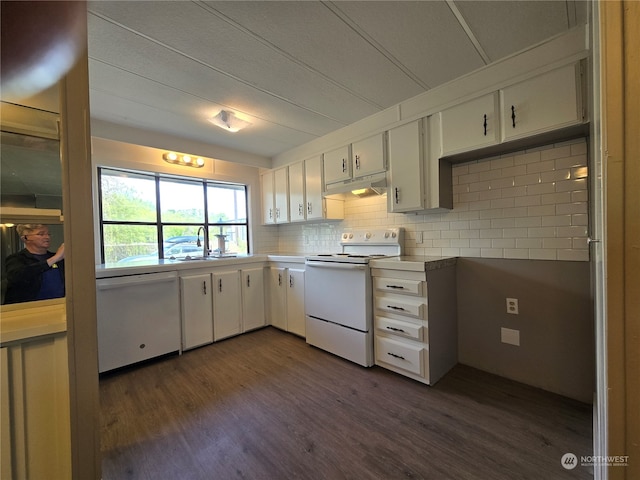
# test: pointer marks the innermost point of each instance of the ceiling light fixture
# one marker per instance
(186, 160)
(228, 121)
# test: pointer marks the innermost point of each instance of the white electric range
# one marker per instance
(339, 296)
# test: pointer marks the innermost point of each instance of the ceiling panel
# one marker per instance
(503, 28)
(241, 59)
(296, 70)
(424, 36)
(313, 35)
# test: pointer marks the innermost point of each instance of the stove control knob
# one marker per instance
(393, 234)
(386, 234)
(344, 236)
(350, 235)
(367, 235)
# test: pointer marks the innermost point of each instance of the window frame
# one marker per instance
(159, 224)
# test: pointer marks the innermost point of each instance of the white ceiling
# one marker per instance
(296, 70)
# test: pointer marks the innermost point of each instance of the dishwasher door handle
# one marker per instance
(123, 282)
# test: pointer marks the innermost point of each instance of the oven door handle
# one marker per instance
(336, 265)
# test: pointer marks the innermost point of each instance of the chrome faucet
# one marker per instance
(205, 243)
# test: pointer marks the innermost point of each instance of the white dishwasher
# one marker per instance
(138, 318)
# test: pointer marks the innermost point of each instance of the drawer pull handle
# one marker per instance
(395, 286)
(396, 329)
(393, 307)
(395, 355)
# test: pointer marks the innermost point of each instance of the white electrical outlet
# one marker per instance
(512, 337)
(418, 237)
(512, 306)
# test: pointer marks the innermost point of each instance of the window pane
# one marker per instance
(182, 240)
(128, 197)
(234, 237)
(227, 203)
(181, 201)
(130, 243)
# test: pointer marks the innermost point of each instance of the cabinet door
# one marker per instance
(541, 104)
(368, 156)
(313, 190)
(295, 302)
(253, 299)
(277, 297)
(281, 186)
(227, 309)
(297, 205)
(268, 199)
(197, 310)
(337, 165)
(470, 125)
(406, 163)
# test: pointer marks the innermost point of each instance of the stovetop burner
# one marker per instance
(359, 246)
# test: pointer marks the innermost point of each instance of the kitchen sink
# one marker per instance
(209, 257)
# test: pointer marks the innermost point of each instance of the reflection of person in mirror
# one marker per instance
(35, 273)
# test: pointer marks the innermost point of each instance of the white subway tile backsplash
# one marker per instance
(556, 221)
(531, 204)
(542, 254)
(558, 152)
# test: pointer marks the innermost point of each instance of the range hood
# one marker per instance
(371, 184)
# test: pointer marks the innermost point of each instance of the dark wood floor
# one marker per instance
(265, 405)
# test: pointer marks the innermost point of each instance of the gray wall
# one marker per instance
(556, 351)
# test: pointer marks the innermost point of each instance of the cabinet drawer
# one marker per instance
(402, 306)
(402, 355)
(402, 329)
(397, 285)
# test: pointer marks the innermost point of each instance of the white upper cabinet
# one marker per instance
(543, 103)
(367, 156)
(406, 168)
(275, 196)
(361, 158)
(297, 192)
(418, 179)
(268, 198)
(281, 188)
(471, 125)
(305, 193)
(337, 165)
(313, 184)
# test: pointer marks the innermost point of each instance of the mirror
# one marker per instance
(30, 179)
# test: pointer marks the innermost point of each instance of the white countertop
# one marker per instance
(155, 266)
(21, 321)
(413, 263)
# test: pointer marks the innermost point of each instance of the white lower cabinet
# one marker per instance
(197, 310)
(227, 304)
(295, 302)
(253, 285)
(278, 297)
(286, 299)
(415, 321)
